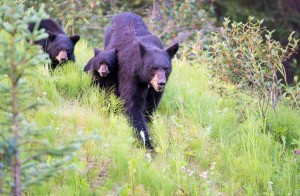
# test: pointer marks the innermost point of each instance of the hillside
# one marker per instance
(203, 146)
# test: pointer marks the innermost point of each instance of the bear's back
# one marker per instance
(48, 25)
(130, 21)
(126, 30)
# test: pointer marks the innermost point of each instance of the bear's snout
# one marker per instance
(62, 56)
(103, 70)
(158, 82)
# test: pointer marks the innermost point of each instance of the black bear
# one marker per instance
(143, 68)
(103, 67)
(58, 45)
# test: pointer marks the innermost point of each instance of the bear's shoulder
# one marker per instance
(89, 65)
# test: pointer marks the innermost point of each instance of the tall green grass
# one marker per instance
(202, 148)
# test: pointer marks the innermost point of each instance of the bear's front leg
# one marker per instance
(134, 96)
(153, 99)
(138, 122)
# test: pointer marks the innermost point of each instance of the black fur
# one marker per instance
(109, 58)
(141, 57)
(56, 42)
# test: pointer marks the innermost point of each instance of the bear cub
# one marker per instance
(58, 45)
(103, 67)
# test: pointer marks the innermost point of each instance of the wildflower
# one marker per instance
(204, 175)
(213, 165)
(148, 156)
(190, 172)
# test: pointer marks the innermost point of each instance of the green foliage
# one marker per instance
(291, 94)
(284, 126)
(166, 19)
(245, 60)
(84, 17)
(282, 15)
(27, 157)
(171, 19)
(73, 84)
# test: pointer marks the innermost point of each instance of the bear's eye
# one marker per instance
(58, 49)
(154, 68)
(104, 63)
(67, 49)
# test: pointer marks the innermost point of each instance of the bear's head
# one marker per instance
(60, 47)
(156, 65)
(105, 61)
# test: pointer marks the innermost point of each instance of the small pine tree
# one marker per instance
(24, 153)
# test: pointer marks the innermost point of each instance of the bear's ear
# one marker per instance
(52, 36)
(113, 51)
(75, 38)
(96, 51)
(143, 49)
(172, 50)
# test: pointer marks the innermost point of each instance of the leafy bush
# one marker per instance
(244, 59)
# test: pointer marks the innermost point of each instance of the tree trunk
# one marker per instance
(16, 160)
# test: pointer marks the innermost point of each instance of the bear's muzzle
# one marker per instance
(103, 70)
(62, 56)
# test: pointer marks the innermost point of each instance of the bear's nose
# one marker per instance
(103, 73)
(161, 84)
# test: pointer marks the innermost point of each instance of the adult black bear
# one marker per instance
(103, 67)
(58, 45)
(144, 68)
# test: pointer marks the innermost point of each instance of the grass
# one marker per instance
(202, 148)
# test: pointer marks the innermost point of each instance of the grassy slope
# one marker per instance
(202, 148)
